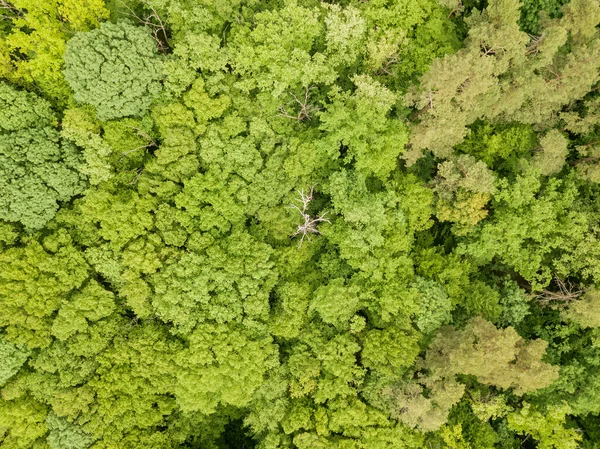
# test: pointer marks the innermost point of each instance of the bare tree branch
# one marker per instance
(534, 44)
(385, 68)
(310, 224)
(567, 292)
(151, 143)
(138, 171)
(10, 11)
(154, 22)
(306, 109)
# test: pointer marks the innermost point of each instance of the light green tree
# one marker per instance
(12, 357)
(35, 281)
(584, 311)
(546, 427)
(31, 53)
(498, 357)
(503, 75)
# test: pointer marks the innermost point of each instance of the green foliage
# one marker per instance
(514, 302)
(22, 110)
(23, 424)
(463, 186)
(115, 68)
(65, 435)
(35, 281)
(585, 311)
(553, 153)
(547, 428)
(434, 306)
(531, 223)
(531, 10)
(12, 357)
(297, 224)
(222, 366)
(501, 148)
(421, 404)
(503, 75)
(224, 283)
(37, 170)
(31, 52)
(497, 357)
(389, 352)
(359, 122)
(79, 127)
(494, 356)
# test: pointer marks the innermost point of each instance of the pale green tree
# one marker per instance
(115, 68)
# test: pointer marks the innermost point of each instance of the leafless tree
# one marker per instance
(138, 172)
(533, 47)
(305, 110)
(566, 293)
(154, 22)
(310, 224)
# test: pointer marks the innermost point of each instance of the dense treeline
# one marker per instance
(299, 224)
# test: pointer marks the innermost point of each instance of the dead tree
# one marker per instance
(566, 292)
(533, 47)
(305, 111)
(310, 224)
(153, 22)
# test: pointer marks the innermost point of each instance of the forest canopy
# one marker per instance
(299, 224)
